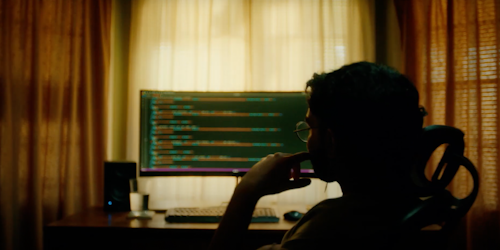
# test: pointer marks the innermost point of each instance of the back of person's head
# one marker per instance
(373, 113)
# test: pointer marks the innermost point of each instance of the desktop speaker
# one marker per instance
(117, 177)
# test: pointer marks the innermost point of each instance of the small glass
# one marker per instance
(138, 201)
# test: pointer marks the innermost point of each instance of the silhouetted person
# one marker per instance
(365, 121)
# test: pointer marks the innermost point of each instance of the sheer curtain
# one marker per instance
(238, 45)
(53, 77)
(451, 51)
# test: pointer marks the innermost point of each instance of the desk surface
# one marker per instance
(97, 218)
(97, 229)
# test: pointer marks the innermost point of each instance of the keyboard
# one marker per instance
(214, 215)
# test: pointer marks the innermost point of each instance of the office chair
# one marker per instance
(442, 207)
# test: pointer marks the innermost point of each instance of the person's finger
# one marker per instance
(300, 183)
(296, 171)
(297, 158)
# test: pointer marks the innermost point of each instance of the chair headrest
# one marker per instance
(442, 206)
(433, 137)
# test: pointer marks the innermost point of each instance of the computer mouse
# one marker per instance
(293, 216)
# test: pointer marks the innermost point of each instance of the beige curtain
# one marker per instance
(451, 51)
(53, 74)
(237, 45)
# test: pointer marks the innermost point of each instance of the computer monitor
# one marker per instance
(217, 134)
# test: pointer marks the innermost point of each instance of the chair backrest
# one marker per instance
(441, 207)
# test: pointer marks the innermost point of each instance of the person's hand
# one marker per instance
(272, 174)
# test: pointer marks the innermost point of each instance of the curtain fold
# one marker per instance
(53, 77)
(238, 45)
(451, 51)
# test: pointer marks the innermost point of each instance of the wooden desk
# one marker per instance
(96, 229)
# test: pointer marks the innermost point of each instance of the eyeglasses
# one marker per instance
(302, 130)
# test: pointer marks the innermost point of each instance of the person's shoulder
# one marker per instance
(339, 207)
(346, 215)
(326, 215)
(348, 221)
(326, 211)
(327, 205)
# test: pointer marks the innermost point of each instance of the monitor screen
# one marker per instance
(207, 133)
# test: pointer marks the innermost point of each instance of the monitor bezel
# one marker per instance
(214, 174)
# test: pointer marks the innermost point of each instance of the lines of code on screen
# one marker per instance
(216, 133)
